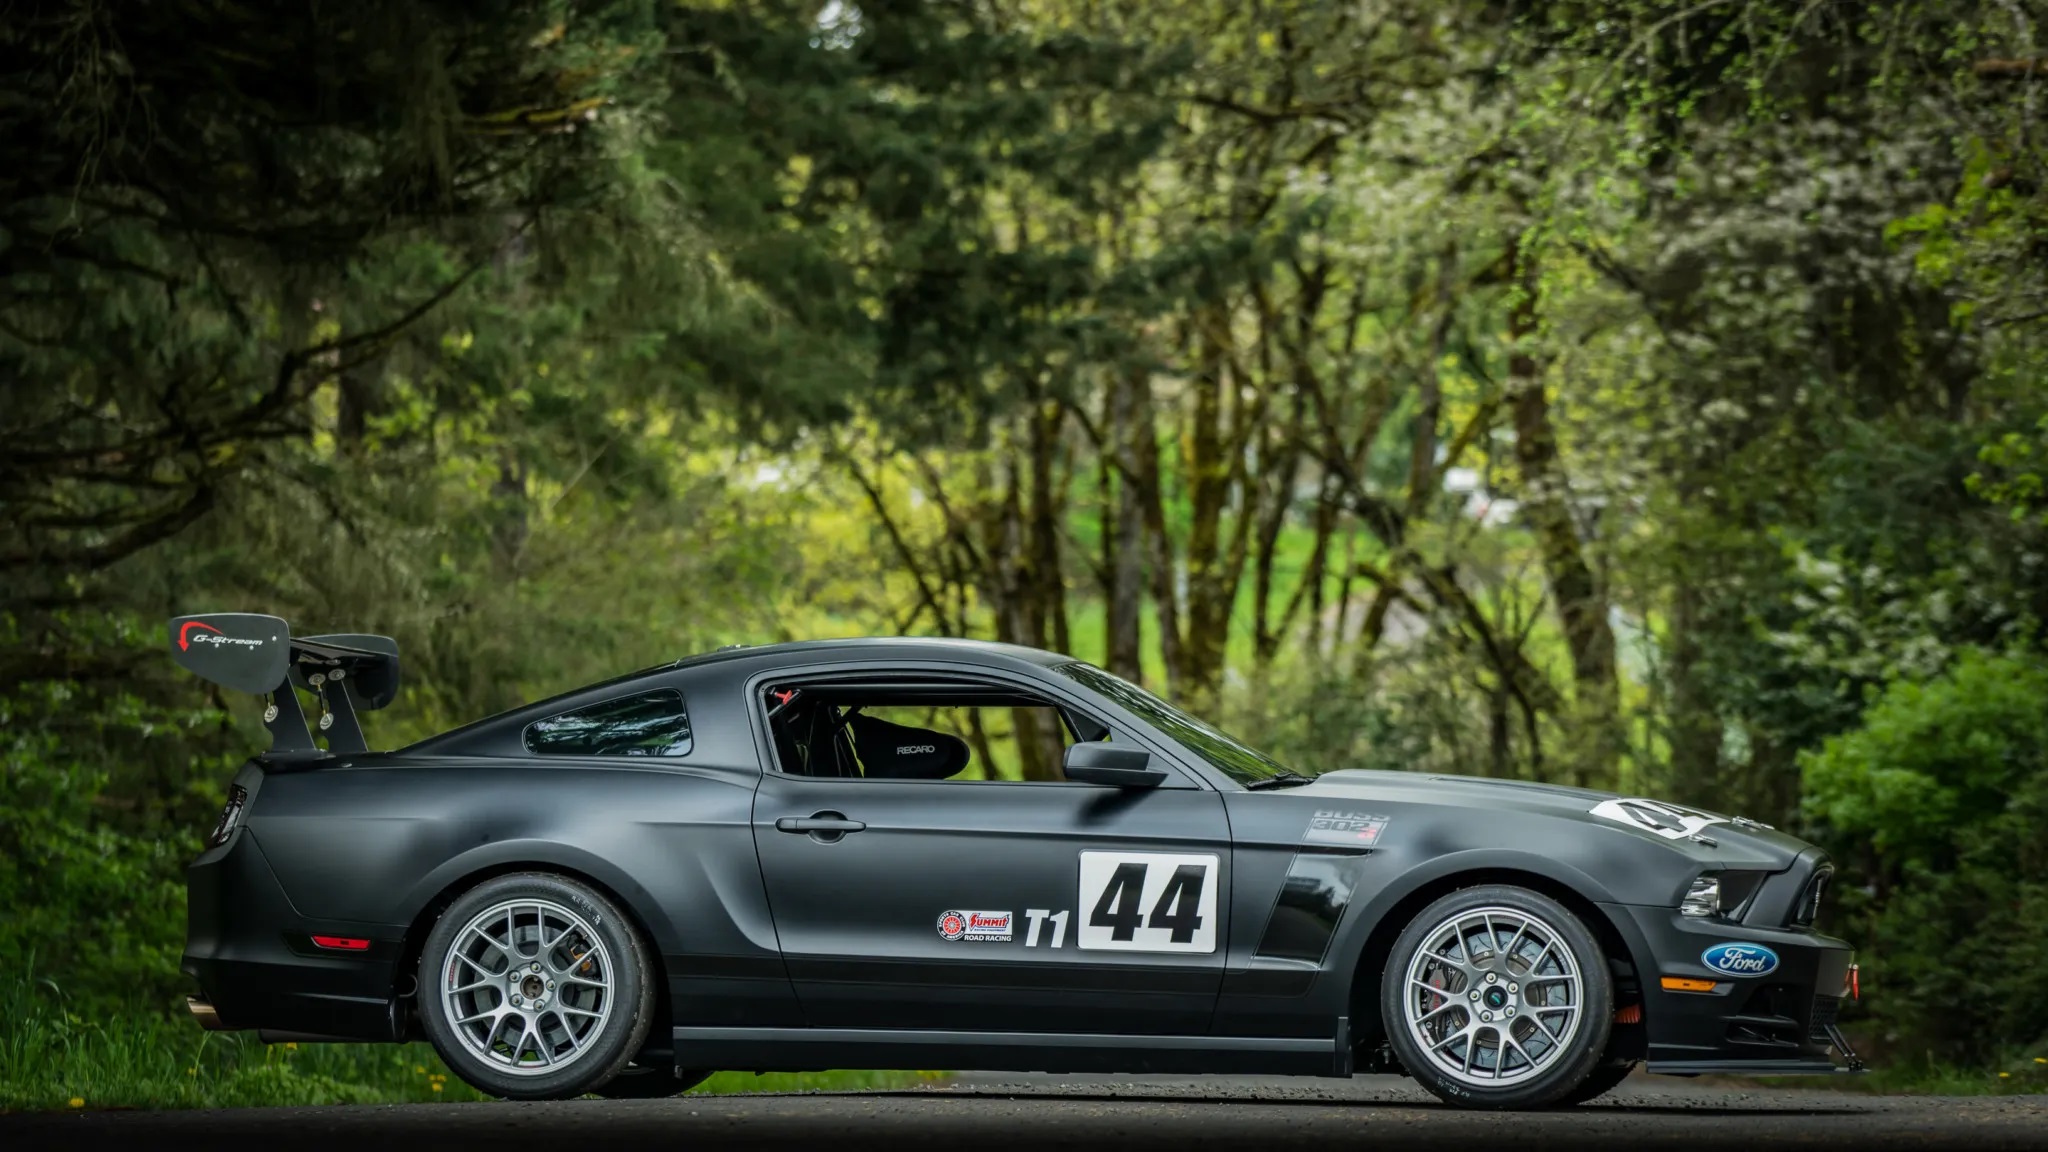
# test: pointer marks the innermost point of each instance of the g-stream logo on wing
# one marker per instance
(188, 636)
(956, 925)
(1740, 959)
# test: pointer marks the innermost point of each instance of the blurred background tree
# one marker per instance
(1637, 394)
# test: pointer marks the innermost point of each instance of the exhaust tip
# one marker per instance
(202, 1011)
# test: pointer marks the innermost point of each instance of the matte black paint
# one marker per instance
(811, 947)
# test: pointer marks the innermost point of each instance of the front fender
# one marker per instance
(1486, 865)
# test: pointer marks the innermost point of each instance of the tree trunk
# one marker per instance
(511, 526)
(1693, 727)
(1040, 742)
(1581, 601)
(1158, 543)
(1281, 461)
(1044, 579)
(1208, 472)
(359, 393)
(1125, 538)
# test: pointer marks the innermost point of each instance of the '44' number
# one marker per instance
(1142, 902)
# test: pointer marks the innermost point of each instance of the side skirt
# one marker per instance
(815, 1049)
(1745, 1067)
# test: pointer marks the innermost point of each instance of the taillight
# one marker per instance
(230, 816)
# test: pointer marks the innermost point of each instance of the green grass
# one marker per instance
(52, 1059)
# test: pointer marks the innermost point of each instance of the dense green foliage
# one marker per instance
(1940, 804)
(1643, 394)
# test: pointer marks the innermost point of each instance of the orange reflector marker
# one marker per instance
(1681, 984)
(342, 943)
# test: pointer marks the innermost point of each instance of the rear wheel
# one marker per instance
(535, 987)
(1498, 997)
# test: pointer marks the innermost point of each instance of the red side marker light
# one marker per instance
(1855, 982)
(341, 943)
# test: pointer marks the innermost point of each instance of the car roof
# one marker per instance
(900, 646)
(494, 735)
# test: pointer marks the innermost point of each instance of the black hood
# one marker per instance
(1735, 842)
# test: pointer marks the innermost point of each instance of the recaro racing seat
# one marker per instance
(900, 752)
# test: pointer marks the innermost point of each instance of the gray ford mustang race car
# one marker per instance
(760, 859)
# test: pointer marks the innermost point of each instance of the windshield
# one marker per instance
(1240, 762)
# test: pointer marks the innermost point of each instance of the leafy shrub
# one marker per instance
(95, 905)
(1938, 804)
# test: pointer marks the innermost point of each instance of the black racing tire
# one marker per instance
(1604, 1078)
(649, 1082)
(1548, 1074)
(623, 1008)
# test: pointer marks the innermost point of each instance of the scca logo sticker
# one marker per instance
(1740, 959)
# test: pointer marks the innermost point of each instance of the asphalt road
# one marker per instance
(1129, 1114)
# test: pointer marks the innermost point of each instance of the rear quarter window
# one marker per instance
(643, 724)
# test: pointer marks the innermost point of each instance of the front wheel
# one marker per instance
(1498, 997)
(535, 987)
(1604, 1078)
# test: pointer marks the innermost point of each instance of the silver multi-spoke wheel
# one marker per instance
(528, 986)
(1493, 997)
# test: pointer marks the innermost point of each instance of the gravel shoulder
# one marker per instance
(1126, 1113)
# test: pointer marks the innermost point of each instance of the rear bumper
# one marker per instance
(1776, 1024)
(253, 956)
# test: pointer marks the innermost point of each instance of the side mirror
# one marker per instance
(1098, 763)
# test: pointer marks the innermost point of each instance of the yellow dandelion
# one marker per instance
(2041, 1059)
(78, 1101)
(437, 1087)
(2005, 1075)
(420, 1068)
(292, 1044)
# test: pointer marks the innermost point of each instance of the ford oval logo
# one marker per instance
(1740, 959)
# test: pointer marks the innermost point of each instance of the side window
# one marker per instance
(912, 732)
(644, 724)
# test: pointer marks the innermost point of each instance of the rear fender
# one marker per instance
(457, 875)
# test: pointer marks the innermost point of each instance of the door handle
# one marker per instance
(826, 823)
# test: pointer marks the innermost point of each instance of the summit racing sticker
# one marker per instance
(1351, 829)
(993, 926)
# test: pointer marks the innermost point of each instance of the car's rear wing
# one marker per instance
(349, 672)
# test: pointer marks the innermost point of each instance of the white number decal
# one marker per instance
(1033, 917)
(1147, 902)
